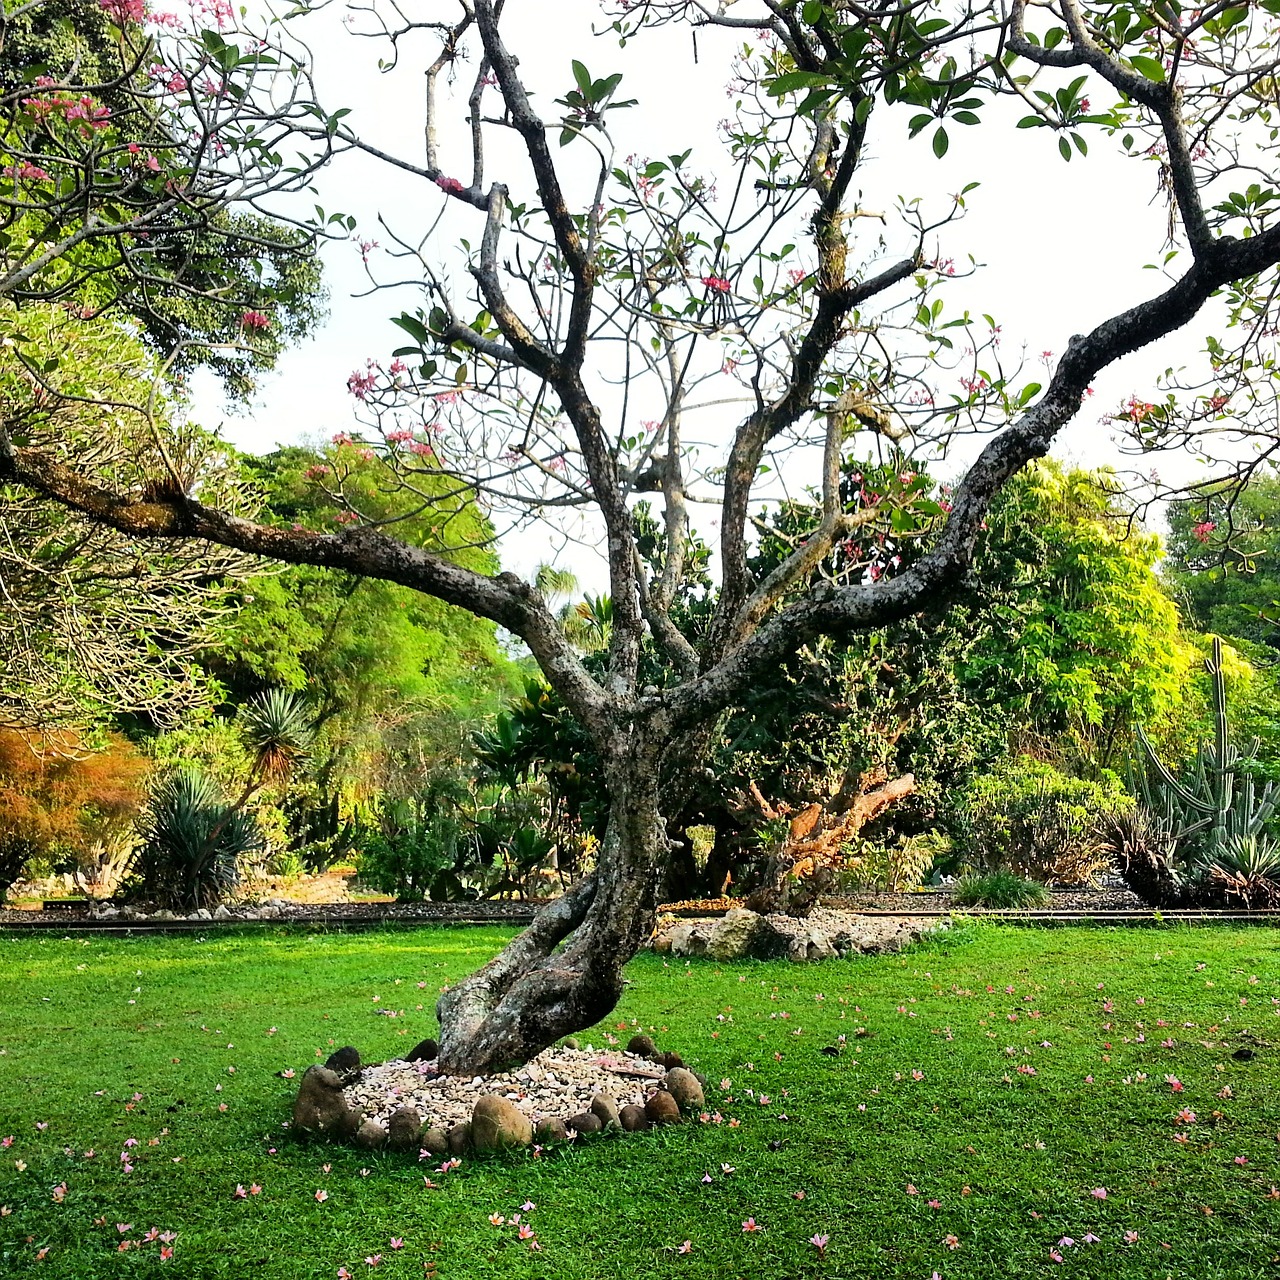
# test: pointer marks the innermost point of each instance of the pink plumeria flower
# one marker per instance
(1099, 1193)
(239, 1193)
(322, 1196)
(344, 1274)
(820, 1243)
(397, 1242)
(952, 1242)
(374, 1259)
(525, 1232)
(751, 1225)
(1055, 1256)
(166, 1253)
(528, 1207)
(685, 1247)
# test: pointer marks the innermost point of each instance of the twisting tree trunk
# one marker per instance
(564, 972)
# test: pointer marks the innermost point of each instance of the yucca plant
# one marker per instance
(192, 842)
(278, 731)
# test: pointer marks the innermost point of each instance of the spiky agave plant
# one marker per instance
(192, 841)
(278, 731)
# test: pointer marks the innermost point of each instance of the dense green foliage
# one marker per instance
(1224, 559)
(1012, 1159)
(1030, 819)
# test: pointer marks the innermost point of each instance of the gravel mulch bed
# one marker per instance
(558, 1082)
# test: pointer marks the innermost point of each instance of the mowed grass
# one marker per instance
(147, 1040)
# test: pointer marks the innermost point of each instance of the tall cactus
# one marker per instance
(1213, 797)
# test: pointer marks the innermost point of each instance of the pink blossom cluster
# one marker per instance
(123, 11)
(255, 320)
(717, 284)
(26, 170)
(1202, 531)
(70, 107)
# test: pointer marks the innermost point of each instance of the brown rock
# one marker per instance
(434, 1140)
(670, 1060)
(605, 1110)
(370, 1135)
(633, 1118)
(497, 1124)
(585, 1122)
(403, 1129)
(458, 1139)
(424, 1051)
(551, 1129)
(683, 1086)
(321, 1106)
(662, 1108)
(642, 1046)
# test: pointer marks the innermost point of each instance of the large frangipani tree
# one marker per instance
(609, 297)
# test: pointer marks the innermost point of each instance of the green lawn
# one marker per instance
(923, 1133)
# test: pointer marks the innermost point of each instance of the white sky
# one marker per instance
(1062, 245)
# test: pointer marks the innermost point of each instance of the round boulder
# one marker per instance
(662, 1108)
(434, 1140)
(424, 1051)
(683, 1086)
(403, 1128)
(605, 1110)
(642, 1046)
(497, 1124)
(551, 1129)
(669, 1060)
(585, 1122)
(458, 1139)
(571, 1042)
(370, 1135)
(633, 1118)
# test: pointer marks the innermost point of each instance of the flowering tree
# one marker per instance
(611, 299)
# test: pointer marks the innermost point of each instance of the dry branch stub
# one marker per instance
(408, 1104)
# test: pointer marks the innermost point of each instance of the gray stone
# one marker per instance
(321, 1107)
(662, 1108)
(585, 1122)
(434, 1140)
(403, 1129)
(642, 1046)
(683, 1086)
(222, 912)
(164, 914)
(633, 1118)
(605, 1109)
(735, 936)
(370, 1135)
(497, 1124)
(551, 1129)
(459, 1139)
(691, 938)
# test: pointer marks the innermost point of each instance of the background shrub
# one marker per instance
(1001, 890)
(1033, 820)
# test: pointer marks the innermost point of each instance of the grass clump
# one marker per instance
(1000, 889)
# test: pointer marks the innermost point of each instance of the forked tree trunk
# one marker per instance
(564, 972)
